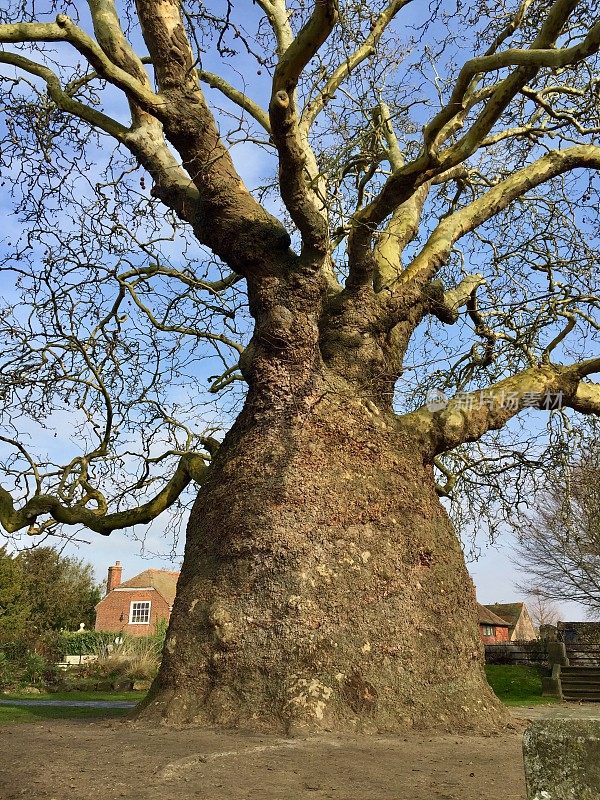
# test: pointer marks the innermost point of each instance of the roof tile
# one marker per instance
(487, 617)
(511, 612)
(164, 581)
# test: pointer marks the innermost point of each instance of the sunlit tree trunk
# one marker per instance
(323, 586)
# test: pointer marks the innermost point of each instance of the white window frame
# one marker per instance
(135, 609)
(489, 630)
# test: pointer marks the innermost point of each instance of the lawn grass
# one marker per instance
(514, 685)
(133, 696)
(517, 685)
(13, 714)
(10, 715)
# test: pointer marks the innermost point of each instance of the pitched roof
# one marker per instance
(164, 581)
(508, 611)
(487, 617)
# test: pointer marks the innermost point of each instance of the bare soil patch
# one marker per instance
(68, 760)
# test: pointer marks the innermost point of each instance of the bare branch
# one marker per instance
(294, 152)
(306, 44)
(278, 16)
(239, 98)
(405, 181)
(64, 29)
(335, 80)
(445, 490)
(468, 417)
(62, 99)
(532, 59)
(450, 230)
(446, 308)
(191, 467)
(587, 398)
(111, 39)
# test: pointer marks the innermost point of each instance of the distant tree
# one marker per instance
(541, 610)
(58, 591)
(14, 610)
(559, 551)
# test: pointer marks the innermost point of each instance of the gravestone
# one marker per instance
(562, 760)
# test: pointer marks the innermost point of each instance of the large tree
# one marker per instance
(59, 591)
(418, 212)
(42, 590)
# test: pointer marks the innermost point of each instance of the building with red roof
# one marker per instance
(492, 628)
(136, 606)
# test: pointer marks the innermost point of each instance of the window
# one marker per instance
(489, 630)
(139, 613)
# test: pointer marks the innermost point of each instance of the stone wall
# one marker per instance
(579, 632)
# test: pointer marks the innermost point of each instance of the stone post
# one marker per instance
(562, 759)
(551, 685)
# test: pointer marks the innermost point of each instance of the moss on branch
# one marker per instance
(191, 467)
(444, 424)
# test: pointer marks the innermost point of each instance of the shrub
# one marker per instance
(16, 650)
(10, 674)
(49, 646)
(136, 658)
(122, 659)
(53, 677)
(34, 666)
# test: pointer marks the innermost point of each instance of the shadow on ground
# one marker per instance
(107, 760)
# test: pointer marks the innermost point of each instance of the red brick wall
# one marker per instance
(500, 636)
(115, 573)
(112, 612)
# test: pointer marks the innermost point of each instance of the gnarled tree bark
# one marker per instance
(323, 586)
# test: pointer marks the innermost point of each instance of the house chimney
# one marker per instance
(114, 576)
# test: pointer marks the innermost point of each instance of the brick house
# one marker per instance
(492, 628)
(517, 615)
(136, 606)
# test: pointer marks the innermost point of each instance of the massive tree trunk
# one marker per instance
(323, 586)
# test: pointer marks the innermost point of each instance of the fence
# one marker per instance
(530, 653)
(583, 655)
(581, 646)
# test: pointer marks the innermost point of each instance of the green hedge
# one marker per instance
(84, 643)
(55, 645)
(75, 643)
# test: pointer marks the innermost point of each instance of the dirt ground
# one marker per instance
(106, 760)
